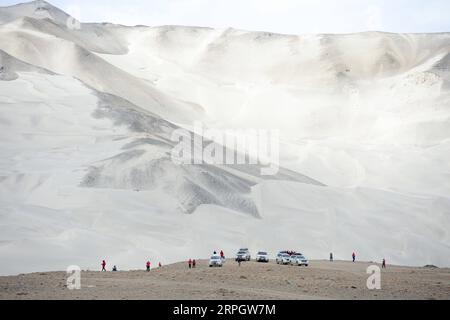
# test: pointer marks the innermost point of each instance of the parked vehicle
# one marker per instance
(262, 256)
(243, 255)
(216, 261)
(299, 260)
(283, 258)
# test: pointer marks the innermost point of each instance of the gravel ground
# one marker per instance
(320, 280)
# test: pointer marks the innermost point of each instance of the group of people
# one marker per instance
(383, 263)
(104, 266)
(147, 265)
(192, 263)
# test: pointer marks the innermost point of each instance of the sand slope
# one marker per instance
(86, 116)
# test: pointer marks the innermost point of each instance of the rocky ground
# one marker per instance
(320, 280)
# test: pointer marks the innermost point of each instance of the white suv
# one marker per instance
(243, 255)
(262, 256)
(283, 258)
(299, 260)
(215, 261)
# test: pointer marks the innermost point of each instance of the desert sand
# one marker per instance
(320, 280)
(87, 116)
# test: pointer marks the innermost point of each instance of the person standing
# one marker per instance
(193, 263)
(331, 256)
(190, 263)
(103, 265)
(383, 265)
(148, 265)
(354, 256)
(222, 255)
(159, 264)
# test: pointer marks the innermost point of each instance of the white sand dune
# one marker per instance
(86, 117)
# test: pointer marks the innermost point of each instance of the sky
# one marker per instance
(280, 16)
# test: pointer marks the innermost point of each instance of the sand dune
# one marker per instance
(87, 113)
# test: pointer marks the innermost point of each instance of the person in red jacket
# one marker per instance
(148, 265)
(103, 265)
(222, 255)
(190, 263)
(159, 265)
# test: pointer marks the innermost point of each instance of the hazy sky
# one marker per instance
(284, 16)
